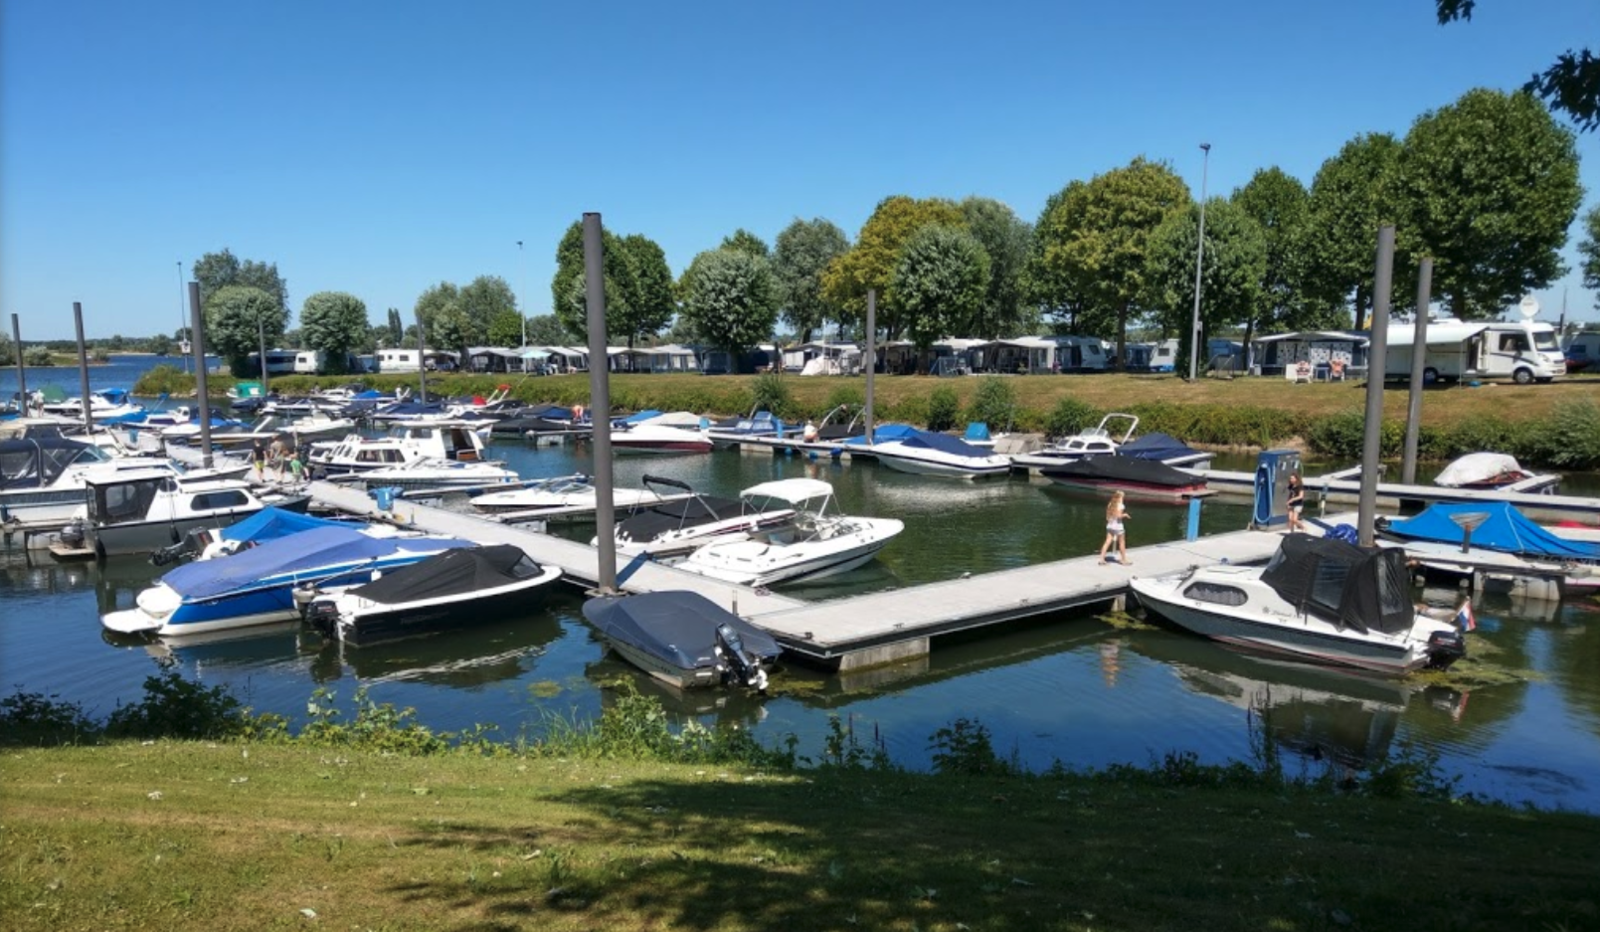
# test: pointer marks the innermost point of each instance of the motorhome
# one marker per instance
(412, 360)
(1456, 350)
(308, 362)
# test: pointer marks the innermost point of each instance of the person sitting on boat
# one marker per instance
(809, 434)
(1297, 500)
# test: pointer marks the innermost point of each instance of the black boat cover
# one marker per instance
(1122, 469)
(1364, 588)
(37, 461)
(679, 628)
(454, 572)
(651, 522)
(1156, 447)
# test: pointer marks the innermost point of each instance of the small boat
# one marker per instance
(445, 591)
(816, 544)
(926, 453)
(755, 424)
(256, 586)
(563, 493)
(1141, 479)
(663, 434)
(405, 442)
(1320, 600)
(1492, 471)
(677, 528)
(434, 472)
(1164, 448)
(106, 405)
(684, 639)
(1462, 529)
(269, 523)
(144, 510)
(1100, 440)
(42, 476)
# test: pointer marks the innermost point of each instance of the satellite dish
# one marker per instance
(1530, 307)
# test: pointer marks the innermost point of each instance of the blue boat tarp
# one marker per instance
(1155, 447)
(271, 523)
(307, 552)
(884, 433)
(678, 628)
(944, 443)
(1506, 529)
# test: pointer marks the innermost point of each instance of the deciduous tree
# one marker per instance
(804, 250)
(732, 300)
(651, 298)
(483, 299)
(217, 270)
(334, 323)
(1489, 186)
(1233, 267)
(236, 317)
(1571, 85)
(941, 281)
(1279, 204)
(568, 290)
(1351, 196)
(546, 330)
(1589, 251)
(434, 300)
(871, 262)
(1008, 240)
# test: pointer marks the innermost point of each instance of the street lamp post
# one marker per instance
(182, 317)
(522, 302)
(1199, 256)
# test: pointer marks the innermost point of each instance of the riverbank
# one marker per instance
(182, 835)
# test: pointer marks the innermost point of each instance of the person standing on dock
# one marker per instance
(258, 458)
(1115, 515)
(1297, 500)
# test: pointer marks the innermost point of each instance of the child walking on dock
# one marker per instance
(1115, 515)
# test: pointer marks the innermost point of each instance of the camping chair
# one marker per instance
(1298, 371)
(1336, 371)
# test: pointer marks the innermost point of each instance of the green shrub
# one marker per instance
(165, 379)
(37, 720)
(1569, 438)
(769, 392)
(174, 707)
(39, 356)
(944, 407)
(964, 747)
(843, 395)
(1069, 417)
(994, 403)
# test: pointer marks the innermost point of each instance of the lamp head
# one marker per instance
(1205, 147)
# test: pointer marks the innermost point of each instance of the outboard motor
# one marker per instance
(1445, 648)
(193, 544)
(746, 669)
(74, 534)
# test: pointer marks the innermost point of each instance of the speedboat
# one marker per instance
(435, 472)
(1114, 430)
(1142, 479)
(1320, 600)
(405, 442)
(256, 586)
(676, 528)
(663, 434)
(816, 544)
(269, 523)
(1165, 448)
(144, 510)
(755, 424)
(926, 453)
(444, 591)
(565, 493)
(683, 638)
(105, 405)
(1445, 535)
(1492, 471)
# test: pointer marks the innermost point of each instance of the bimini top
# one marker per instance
(311, 553)
(677, 627)
(1503, 528)
(684, 512)
(1364, 588)
(793, 491)
(452, 573)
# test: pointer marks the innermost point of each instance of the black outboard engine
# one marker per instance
(1445, 648)
(193, 543)
(741, 665)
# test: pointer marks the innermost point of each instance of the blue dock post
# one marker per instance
(1194, 520)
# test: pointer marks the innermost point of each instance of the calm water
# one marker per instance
(1064, 687)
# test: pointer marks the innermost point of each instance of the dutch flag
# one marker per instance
(1464, 619)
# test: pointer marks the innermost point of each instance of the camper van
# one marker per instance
(308, 362)
(1457, 350)
(1582, 351)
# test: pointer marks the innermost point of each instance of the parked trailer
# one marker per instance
(1524, 352)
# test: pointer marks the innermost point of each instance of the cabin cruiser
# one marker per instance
(684, 639)
(677, 528)
(926, 453)
(1114, 430)
(437, 472)
(566, 493)
(406, 441)
(42, 476)
(1319, 600)
(662, 434)
(445, 591)
(816, 544)
(256, 586)
(1447, 535)
(143, 510)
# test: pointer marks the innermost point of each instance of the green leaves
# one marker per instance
(804, 250)
(236, 317)
(732, 298)
(940, 282)
(335, 323)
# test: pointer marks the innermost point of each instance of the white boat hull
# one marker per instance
(921, 462)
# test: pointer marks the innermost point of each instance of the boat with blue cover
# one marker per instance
(684, 638)
(269, 523)
(256, 586)
(926, 453)
(1495, 526)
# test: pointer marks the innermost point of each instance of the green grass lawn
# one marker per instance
(227, 835)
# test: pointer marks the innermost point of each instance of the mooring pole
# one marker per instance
(1419, 353)
(197, 336)
(1372, 445)
(422, 359)
(605, 517)
(83, 371)
(872, 354)
(22, 372)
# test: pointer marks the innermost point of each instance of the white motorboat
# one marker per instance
(926, 453)
(815, 545)
(1320, 600)
(145, 510)
(1493, 471)
(42, 476)
(664, 434)
(406, 441)
(1114, 430)
(437, 472)
(679, 527)
(564, 493)
(106, 404)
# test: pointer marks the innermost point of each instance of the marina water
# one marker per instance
(1068, 688)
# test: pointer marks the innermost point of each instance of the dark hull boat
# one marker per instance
(453, 589)
(1135, 478)
(684, 639)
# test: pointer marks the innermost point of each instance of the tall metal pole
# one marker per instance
(1199, 256)
(198, 340)
(422, 359)
(1371, 447)
(600, 401)
(181, 324)
(522, 300)
(83, 370)
(261, 338)
(872, 352)
(22, 372)
(1419, 346)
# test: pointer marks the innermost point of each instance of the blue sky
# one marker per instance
(382, 147)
